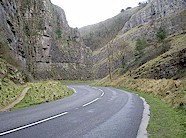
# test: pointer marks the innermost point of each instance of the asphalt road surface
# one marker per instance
(91, 112)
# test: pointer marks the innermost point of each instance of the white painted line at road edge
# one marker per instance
(91, 102)
(142, 132)
(32, 124)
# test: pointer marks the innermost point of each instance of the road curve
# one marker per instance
(91, 112)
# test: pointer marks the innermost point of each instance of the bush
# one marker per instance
(128, 8)
(141, 44)
(161, 34)
(58, 32)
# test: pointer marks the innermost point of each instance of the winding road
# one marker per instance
(91, 112)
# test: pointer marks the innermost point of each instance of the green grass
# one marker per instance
(9, 92)
(10, 83)
(76, 82)
(43, 91)
(40, 92)
(165, 121)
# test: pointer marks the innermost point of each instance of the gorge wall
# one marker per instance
(141, 22)
(36, 38)
(36, 34)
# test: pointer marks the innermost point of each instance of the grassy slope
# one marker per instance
(10, 83)
(97, 35)
(169, 59)
(43, 91)
(46, 91)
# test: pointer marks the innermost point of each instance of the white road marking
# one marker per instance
(102, 94)
(94, 88)
(91, 102)
(33, 124)
(142, 132)
(74, 90)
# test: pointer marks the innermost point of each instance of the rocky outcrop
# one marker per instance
(39, 36)
(168, 14)
(136, 23)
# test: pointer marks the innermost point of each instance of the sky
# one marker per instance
(81, 13)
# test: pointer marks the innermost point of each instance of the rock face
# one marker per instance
(39, 36)
(154, 10)
(168, 14)
(136, 23)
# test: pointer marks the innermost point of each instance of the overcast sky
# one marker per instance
(80, 13)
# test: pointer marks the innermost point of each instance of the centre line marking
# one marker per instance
(74, 90)
(91, 102)
(32, 124)
(102, 94)
(101, 90)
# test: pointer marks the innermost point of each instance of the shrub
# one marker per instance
(140, 45)
(58, 32)
(161, 34)
(128, 8)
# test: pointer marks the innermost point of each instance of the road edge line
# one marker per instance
(142, 131)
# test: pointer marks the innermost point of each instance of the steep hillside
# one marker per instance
(143, 25)
(171, 64)
(97, 35)
(39, 37)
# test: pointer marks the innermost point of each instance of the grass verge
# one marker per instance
(9, 92)
(64, 82)
(165, 121)
(43, 91)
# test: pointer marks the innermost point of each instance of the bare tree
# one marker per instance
(109, 58)
(124, 51)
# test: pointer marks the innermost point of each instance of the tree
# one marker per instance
(122, 10)
(141, 44)
(161, 34)
(109, 58)
(123, 51)
(128, 8)
(109, 53)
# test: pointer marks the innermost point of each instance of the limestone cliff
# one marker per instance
(142, 23)
(37, 34)
(168, 14)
